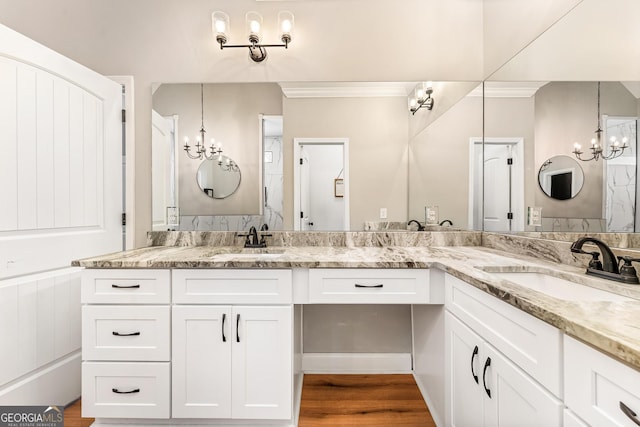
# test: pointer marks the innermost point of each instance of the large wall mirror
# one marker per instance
(386, 144)
(547, 95)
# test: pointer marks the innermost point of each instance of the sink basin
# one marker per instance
(559, 288)
(250, 253)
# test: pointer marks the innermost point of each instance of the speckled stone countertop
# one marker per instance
(613, 327)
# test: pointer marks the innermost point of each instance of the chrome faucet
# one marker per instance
(420, 226)
(608, 267)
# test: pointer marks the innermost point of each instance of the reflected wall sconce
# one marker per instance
(421, 97)
(257, 50)
(597, 149)
(200, 148)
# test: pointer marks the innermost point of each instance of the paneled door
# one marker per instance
(61, 195)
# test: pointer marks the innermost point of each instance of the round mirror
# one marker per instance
(561, 177)
(218, 178)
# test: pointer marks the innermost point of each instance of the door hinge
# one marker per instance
(124, 116)
(510, 161)
(509, 215)
(301, 215)
(124, 218)
(300, 160)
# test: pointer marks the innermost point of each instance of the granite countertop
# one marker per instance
(612, 327)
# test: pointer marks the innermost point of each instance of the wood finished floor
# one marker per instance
(343, 400)
(362, 400)
(72, 416)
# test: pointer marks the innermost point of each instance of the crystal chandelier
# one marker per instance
(200, 148)
(616, 148)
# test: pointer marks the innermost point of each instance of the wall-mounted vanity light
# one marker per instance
(421, 97)
(597, 149)
(257, 50)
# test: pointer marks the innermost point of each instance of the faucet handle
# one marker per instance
(627, 271)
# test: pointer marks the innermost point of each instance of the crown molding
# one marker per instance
(508, 89)
(346, 90)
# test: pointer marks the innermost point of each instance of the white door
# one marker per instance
(201, 367)
(262, 362)
(497, 187)
(321, 184)
(516, 399)
(61, 191)
(306, 222)
(464, 400)
(163, 170)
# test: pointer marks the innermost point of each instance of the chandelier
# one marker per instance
(200, 149)
(228, 165)
(615, 149)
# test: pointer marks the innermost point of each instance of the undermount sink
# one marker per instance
(559, 288)
(250, 253)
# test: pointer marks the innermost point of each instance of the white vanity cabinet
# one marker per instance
(125, 343)
(485, 386)
(232, 360)
(599, 389)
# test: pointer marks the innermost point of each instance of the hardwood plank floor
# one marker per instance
(362, 400)
(342, 400)
(72, 417)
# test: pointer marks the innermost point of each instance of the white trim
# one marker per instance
(517, 188)
(437, 417)
(297, 142)
(130, 135)
(347, 90)
(507, 89)
(356, 363)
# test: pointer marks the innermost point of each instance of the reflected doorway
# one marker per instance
(497, 184)
(273, 171)
(321, 184)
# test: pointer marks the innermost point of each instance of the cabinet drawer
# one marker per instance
(232, 286)
(125, 390)
(142, 286)
(530, 343)
(125, 333)
(596, 386)
(368, 286)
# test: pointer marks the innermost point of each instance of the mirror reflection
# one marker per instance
(560, 177)
(550, 118)
(218, 178)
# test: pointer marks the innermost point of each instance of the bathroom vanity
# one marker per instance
(213, 334)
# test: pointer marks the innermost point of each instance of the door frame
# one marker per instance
(517, 187)
(297, 143)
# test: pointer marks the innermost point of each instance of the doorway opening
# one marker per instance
(321, 184)
(496, 190)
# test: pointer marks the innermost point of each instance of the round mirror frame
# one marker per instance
(223, 172)
(568, 170)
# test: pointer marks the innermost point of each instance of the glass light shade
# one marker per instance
(420, 93)
(254, 25)
(220, 26)
(413, 103)
(285, 24)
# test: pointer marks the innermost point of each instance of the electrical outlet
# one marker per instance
(383, 213)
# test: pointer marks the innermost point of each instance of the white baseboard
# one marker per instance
(356, 363)
(437, 417)
(55, 384)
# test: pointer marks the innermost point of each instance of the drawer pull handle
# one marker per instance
(487, 363)
(238, 328)
(224, 319)
(132, 334)
(629, 413)
(125, 287)
(473, 356)
(358, 285)
(135, 390)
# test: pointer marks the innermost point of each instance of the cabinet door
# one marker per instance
(201, 354)
(262, 366)
(463, 349)
(512, 398)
